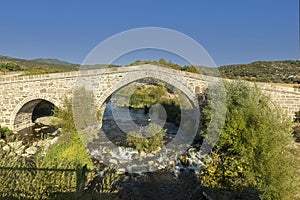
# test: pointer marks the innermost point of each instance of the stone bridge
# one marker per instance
(20, 95)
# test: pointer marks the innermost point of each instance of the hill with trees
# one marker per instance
(273, 71)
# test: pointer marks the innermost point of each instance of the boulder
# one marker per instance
(48, 121)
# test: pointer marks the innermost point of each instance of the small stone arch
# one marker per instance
(34, 101)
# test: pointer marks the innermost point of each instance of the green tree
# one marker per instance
(252, 153)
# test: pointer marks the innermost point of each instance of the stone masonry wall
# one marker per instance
(15, 92)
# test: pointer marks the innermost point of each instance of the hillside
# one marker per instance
(38, 63)
(51, 61)
(261, 71)
(9, 65)
(273, 71)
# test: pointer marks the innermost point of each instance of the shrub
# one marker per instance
(297, 117)
(147, 140)
(252, 152)
(5, 132)
(69, 146)
(296, 133)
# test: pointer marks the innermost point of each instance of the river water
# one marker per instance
(161, 184)
(118, 121)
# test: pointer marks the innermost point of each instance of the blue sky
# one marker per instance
(231, 31)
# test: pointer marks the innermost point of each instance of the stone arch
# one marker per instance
(29, 102)
(182, 85)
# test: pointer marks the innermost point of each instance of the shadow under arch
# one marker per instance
(27, 111)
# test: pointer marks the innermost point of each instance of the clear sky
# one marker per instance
(232, 31)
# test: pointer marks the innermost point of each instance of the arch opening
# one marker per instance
(30, 111)
(138, 97)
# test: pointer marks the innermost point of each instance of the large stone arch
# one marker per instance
(182, 85)
(33, 100)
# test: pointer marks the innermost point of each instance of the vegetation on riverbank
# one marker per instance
(5, 132)
(148, 140)
(253, 153)
(146, 95)
(64, 171)
(69, 148)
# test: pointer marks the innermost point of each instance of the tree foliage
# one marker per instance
(252, 152)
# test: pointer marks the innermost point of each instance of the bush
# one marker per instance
(69, 146)
(147, 140)
(10, 67)
(296, 133)
(252, 152)
(297, 117)
(5, 132)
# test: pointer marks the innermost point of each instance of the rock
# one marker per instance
(37, 129)
(123, 162)
(2, 141)
(34, 144)
(161, 167)
(121, 171)
(107, 156)
(20, 150)
(150, 155)
(40, 143)
(6, 148)
(160, 159)
(48, 120)
(135, 156)
(143, 154)
(150, 163)
(113, 161)
(15, 145)
(12, 154)
(107, 150)
(53, 141)
(172, 163)
(31, 150)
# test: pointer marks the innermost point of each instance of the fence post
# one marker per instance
(81, 179)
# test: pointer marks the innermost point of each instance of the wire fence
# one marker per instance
(42, 183)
